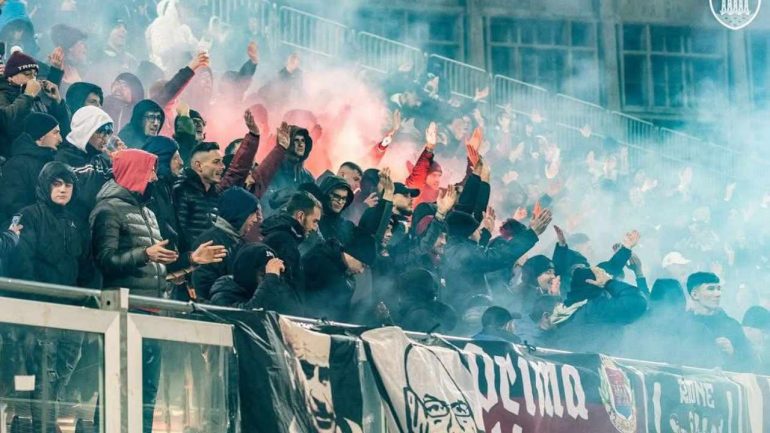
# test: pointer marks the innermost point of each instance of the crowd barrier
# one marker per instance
(324, 39)
(226, 370)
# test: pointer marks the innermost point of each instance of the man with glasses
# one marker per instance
(85, 149)
(705, 291)
(146, 122)
(338, 195)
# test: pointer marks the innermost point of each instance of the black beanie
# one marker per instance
(39, 124)
(235, 206)
(250, 259)
(461, 224)
(534, 267)
(18, 63)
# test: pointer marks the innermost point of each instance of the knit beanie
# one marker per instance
(235, 206)
(39, 124)
(66, 36)
(250, 259)
(435, 167)
(461, 224)
(18, 63)
(164, 148)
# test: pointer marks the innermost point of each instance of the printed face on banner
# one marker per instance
(311, 364)
(434, 401)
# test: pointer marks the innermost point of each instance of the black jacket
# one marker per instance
(133, 133)
(163, 206)
(196, 208)
(15, 106)
(272, 294)
(720, 325)
(328, 290)
(222, 233)
(20, 172)
(465, 263)
(598, 326)
(123, 228)
(290, 174)
(52, 248)
(334, 225)
(93, 169)
(283, 234)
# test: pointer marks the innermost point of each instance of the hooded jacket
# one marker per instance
(15, 106)
(284, 234)
(78, 93)
(334, 225)
(133, 133)
(279, 173)
(20, 174)
(14, 17)
(52, 248)
(92, 167)
(119, 110)
(235, 204)
(123, 228)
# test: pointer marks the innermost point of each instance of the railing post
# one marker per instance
(115, 402)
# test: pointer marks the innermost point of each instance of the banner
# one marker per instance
(293, 379)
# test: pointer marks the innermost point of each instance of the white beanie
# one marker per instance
(85, 123)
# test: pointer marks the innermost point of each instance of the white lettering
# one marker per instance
(574, 394)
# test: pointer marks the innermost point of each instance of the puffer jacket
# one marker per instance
(123, 228)
(196, 208)
(284, 234)
(53, 248)
(222, 233)
(20, 172)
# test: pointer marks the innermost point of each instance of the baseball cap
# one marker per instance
(403, 190)
(674, 258)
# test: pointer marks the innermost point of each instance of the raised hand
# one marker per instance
(251, 124)
(601, 277)
(183, 109)
(540, 222)
(560, 235)
(520, 214)
(386, 185)
(631, 239)
(481, 94)
(473, 145)
(284, 136)
(447, 201)
(199, 61)
(489, 219)
(253, 52)
(207, 253)
(56, 58)
(431, 136)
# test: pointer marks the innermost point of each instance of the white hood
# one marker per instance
(85, 122)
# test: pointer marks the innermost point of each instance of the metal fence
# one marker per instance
(463, 79)
(311, 33)
(385, 56)
(325, 40)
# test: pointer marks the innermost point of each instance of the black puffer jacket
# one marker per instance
(196, 208)
(123, 228)
(20, 172)
(222, 233)
(93, 169)
(52, 247)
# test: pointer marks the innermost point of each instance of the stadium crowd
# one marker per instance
(110, 180)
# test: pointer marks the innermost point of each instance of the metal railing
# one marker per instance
(325, 39)
(384, 55)
(311, 33)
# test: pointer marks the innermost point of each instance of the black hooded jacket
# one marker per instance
(53, 248)
(20, 174)
(195, 206)
(119, 110)
(78, 93)
(133, 133)
(284, 234)
(15, 106)
(334, 225)
(291, 172)
(93, 169)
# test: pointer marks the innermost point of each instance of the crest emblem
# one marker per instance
(735, 14)
(617, 396)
